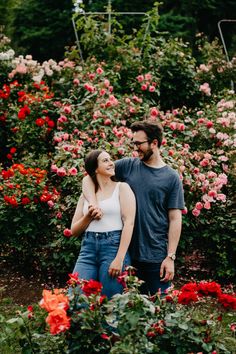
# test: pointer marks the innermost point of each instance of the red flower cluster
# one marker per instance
(5, 92)
(228, 301)
(209, 289)
(21, 186)
(186, 297)
(11, 153)
(191, 292)
(40, 122)
(91, 286)
(156, 329)
(73, 279)
(23, 112)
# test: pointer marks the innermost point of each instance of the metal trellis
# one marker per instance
(223, 42)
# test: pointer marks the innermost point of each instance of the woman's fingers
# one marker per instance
(95, 212)
(114, 272)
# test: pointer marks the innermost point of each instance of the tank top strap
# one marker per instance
(116, 192)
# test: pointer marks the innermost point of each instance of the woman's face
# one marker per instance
(106, 166)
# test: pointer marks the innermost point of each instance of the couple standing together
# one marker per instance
(134, 221)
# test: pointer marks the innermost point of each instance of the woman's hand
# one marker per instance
(94, 212)
(115, 267)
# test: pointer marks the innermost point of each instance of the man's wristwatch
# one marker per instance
(172, 256)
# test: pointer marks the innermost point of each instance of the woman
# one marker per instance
(103, 253)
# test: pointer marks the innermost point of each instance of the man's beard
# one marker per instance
(146, 155)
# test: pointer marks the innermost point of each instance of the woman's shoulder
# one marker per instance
(124, 186)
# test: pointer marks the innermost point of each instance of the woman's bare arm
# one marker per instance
(80, 221)
(88, 189)
(128, 209)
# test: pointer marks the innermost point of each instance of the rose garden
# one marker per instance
(51, 115)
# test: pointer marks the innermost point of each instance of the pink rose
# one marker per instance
(199, 206)
(154, 111)
(67, 109)
(73, 171)
(54, 168)
(61, 172)
(140, 78)
(207, 205)
(99, 71)
(107, 122)
(196, 212)
(67, 233)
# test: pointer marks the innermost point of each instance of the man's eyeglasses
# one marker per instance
(138, 143)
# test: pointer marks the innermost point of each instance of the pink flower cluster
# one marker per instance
(146, 82)
(211, 185)
(205, 88)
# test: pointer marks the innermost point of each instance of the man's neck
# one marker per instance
(155, 161)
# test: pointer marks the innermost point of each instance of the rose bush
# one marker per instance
(52, 114)
(200, 317)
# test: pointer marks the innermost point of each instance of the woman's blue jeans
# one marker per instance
(98, 250)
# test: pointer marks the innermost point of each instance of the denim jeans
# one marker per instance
(150, 273)
(98, 250)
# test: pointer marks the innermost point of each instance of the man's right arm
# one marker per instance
(88, 189)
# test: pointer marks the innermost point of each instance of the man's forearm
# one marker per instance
(88, 189)
(175, 225)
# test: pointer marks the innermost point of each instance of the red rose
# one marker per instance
(91, 287)
(25, 200)
(228, 301)
(186, 297)
(51, 124)
(189, 287)
(209, 289)
(40, 122)
(67, 233)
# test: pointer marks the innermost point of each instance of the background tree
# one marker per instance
(41, 27)
(185, 19)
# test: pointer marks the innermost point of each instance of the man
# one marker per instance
(159, 196)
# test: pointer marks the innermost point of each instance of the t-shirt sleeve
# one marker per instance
(176, 194)
(121, 169)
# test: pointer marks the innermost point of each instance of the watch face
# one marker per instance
(172, 256)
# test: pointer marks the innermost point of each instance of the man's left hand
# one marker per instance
(167, 270)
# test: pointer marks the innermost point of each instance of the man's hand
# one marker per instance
(94, 212)
(167, 270)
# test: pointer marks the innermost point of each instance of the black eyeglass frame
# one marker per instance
(138, 143)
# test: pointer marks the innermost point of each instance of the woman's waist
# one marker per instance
(102, 234)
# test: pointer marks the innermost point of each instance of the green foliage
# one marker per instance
(25, 333)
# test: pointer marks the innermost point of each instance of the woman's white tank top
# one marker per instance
(111, 219)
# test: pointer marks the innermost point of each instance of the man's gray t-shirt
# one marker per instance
(156, 190)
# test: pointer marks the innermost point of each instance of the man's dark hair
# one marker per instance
(153, 130)
(91, 164)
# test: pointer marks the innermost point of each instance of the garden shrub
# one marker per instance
(52, 114)
(197, 318)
